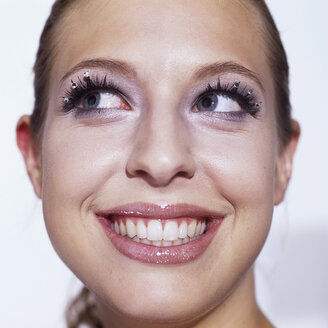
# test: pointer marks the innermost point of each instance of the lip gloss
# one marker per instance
(161, 254)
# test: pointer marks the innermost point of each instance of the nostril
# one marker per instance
(142, 174)
(185, 174)
(159, 162)
(160, 178)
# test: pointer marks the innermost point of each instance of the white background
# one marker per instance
(292, 284)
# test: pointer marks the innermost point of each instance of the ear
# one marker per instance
(284, 165)
(30, 154)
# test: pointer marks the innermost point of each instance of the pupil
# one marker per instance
(91, 101)
(208, 103)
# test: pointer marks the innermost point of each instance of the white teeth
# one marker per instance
(171, 231)
(116, 227)
(154, 234)
(156, 242)
(155, 230)
(145, 241)
(141, 229)
(183, 229)
(167, 243)
(198, 227)
(177, 242)
(192, 229)
(131, 228)
(122, 228)
(203, 226)
(186, 240)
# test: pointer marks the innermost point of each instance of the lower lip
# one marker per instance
(161, 255)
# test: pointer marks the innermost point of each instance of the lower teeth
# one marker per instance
(162, 243)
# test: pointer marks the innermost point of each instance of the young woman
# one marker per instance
(160, 141)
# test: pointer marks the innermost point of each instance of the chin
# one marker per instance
(156, 308)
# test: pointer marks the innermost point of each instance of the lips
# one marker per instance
(160, 234)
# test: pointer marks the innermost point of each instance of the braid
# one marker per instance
(82, 310)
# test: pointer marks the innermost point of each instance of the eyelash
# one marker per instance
(242, 95)
(86, 87)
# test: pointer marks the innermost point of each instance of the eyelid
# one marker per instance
(89, 85)
(240, 94)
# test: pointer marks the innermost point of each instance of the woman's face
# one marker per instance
(154, 132)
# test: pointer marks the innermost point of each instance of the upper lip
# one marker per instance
(165, 211)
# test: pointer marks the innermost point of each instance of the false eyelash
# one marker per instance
(85, 87)
(242, 95)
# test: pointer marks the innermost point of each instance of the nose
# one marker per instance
(161, 152)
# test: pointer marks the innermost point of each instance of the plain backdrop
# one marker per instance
(291, 272)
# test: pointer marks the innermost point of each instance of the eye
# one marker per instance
(214, 102)
(103, 100)
(91, 101)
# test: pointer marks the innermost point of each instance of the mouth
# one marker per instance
(166, 234)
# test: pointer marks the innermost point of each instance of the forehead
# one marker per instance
(162, 37)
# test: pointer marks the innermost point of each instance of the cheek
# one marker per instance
(240, 168)
(77, 162)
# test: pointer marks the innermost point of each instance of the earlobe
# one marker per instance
(30, 154)
(284, 165)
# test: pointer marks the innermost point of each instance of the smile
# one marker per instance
(159, 232)
(167, 234)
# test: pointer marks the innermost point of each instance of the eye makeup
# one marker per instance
(90, 86)
(241, 94)
(81, 98)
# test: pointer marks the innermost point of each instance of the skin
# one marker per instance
(161, 152)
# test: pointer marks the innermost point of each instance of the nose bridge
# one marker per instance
(161, 149)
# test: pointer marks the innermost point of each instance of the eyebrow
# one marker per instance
(107, 64)
(200, 73)
(226, 67)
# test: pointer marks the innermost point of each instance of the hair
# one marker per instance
(81, 309)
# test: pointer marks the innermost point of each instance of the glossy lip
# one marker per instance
(161, 255)
(166, 211)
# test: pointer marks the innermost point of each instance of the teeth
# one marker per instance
(145, 241)
(183, 229)
(171, 231)
(167, 243)
(157, 243)
(202, 228)
(122, 229)
(186, 240)
(116, 227)
(192, 229)
(155, 230)
(131, 228)
(141, 229)
(154, 234)
(198, 227)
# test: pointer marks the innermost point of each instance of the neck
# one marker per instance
(238, 310)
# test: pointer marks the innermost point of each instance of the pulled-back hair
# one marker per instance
(82, 308)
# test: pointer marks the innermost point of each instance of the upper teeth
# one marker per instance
(155, 230)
